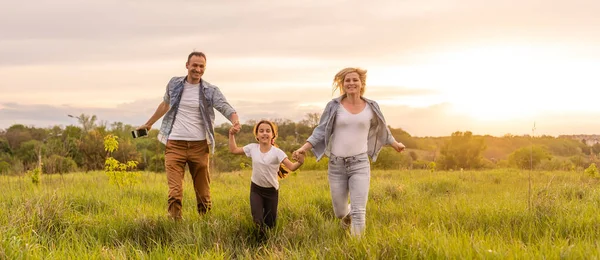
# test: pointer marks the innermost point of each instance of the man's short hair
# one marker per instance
(196, 53)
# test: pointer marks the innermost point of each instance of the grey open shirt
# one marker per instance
(379, 134)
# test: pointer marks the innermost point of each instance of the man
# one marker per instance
(187, 131)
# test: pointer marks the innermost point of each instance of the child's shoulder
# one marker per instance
(252, 146)
(277, 150)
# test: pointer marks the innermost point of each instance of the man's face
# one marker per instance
(196, 66)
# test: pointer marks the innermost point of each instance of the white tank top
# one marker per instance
(188, 124)
(351, 131)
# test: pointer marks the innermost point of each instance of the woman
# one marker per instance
(351, 129)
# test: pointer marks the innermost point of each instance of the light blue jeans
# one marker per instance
(350, 175)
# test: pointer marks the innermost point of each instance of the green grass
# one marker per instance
(410, 215)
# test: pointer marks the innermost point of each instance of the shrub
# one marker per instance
(592, 170)
(120, 174)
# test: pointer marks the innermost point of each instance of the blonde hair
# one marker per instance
(338, 80)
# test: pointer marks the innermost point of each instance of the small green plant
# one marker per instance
(431, 166)
(592, 170)
(120, 174)
(35, 175)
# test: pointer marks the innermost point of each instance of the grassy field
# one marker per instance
(410, 214)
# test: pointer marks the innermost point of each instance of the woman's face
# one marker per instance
(352, 84)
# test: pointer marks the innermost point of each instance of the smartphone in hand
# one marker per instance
(139, 133)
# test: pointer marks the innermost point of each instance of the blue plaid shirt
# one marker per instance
(214, 99)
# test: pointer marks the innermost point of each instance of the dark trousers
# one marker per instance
(195, 155)
(263, 204)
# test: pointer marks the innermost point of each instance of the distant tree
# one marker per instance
(17, 134)
(311, 120)
(58, 164)
(403, 137)
(91, 147)
(462, 150)
(528, 157)
(4, 146)
(87, 122)
(389, 159)
(579, 161)
(29, 153)
(413, 155)
(4, 167)
(596, 148)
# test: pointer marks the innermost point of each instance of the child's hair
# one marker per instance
(273, 130)
(283, 171)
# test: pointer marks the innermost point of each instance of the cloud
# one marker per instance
(45, 32)
(113, 58)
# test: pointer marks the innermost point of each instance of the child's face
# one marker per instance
(265, 134)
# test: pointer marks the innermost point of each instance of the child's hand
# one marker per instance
(233, 131)
(300, 157)
(297, 153)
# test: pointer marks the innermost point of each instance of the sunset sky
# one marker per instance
(434, 66)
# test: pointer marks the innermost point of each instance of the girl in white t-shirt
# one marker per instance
(266, 161)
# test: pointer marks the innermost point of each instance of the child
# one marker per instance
(266, 160)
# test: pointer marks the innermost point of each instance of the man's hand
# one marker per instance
(233, 130)
(145, 127)
(237, 126)
(398, 146)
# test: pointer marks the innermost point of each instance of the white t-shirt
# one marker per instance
(265, 165)
(351, 132)
(188, 123)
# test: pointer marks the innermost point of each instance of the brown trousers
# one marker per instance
(196, 155)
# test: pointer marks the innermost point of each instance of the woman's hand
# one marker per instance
(398, 146)
(299, 157)
(296, 155)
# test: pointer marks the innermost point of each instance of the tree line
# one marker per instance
(80, 147)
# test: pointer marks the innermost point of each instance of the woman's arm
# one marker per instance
(317, 138)
(302, 150)
(398, 146)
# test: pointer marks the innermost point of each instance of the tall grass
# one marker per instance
(410, 214)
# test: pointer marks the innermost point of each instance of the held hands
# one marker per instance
(233, 130)
(398, 146)
(299, 157)
(296, 155)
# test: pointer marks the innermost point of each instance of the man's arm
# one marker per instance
(220, 104)
(161, 110)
